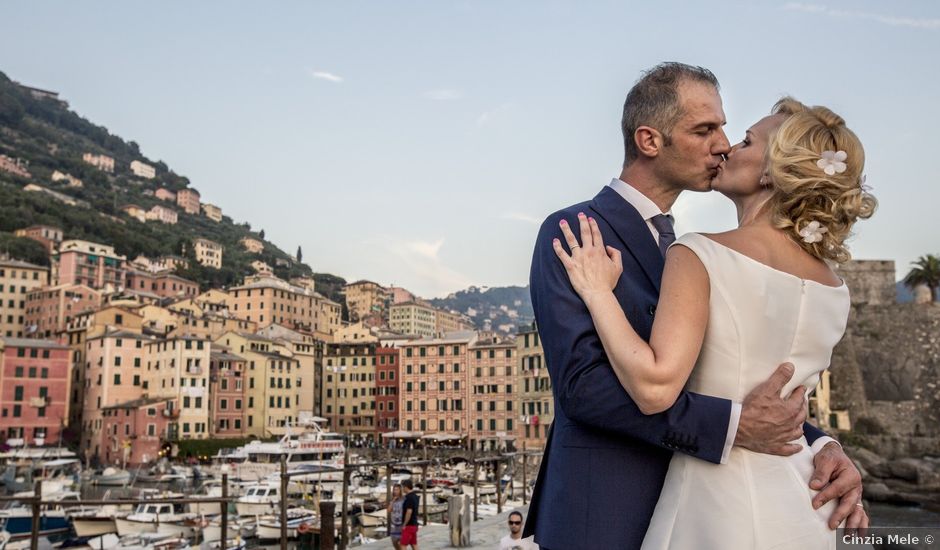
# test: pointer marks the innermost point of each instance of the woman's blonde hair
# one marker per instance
(803, 192)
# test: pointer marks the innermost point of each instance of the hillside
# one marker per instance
(497, 308)
(44, 135)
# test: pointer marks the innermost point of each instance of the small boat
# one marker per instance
(244, 528)
(259, 499)
(18, 522)
(112, 477)
(163, 519)
(94, 522)
(299, 520)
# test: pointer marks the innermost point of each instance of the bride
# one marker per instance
(734, 305)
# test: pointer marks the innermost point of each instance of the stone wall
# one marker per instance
(871, 281)
(886, 371)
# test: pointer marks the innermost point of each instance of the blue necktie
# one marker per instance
(667, 235)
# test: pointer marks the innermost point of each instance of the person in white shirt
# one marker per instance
(514, 540)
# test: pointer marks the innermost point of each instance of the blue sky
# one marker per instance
(420, 143)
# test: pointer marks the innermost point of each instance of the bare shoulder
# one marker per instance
(745, 240)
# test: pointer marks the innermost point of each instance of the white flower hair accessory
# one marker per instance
(832, 162)
(813, 232)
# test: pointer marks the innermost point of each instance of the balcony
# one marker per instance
(194, 370)
(171, 413)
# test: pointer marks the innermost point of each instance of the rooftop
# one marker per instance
(30, 343)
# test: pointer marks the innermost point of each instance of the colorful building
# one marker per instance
(534, 388)
(387, 376)
(34, 388)
(434, 384)
(49, 310)
(87, 263)
(227, 391)
(349, 388)
(17, 279)
(135, 432)
(188, 199)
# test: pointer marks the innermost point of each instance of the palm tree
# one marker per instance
(926, 271)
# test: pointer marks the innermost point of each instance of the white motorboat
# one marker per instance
(93, 522)
(163, 519)
(259, 499)
(298, 520)
(306, 445)
(112, 477)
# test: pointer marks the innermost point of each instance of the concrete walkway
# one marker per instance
(484, 533)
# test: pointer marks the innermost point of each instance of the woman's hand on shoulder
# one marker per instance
(592, 268)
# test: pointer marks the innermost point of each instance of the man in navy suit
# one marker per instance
(605, 461)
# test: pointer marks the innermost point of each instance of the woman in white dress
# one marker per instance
(734, 306)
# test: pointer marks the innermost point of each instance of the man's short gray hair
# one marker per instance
(654, 101)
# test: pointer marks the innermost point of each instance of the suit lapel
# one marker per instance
(631, 228)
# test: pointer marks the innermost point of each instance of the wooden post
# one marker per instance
(327, 525)
(388, 497)
(476, 493)
(498, 467)
(283, 503)
(344, 512)
(224, 506)
(424, 491)
(525, 484)
(37, 516)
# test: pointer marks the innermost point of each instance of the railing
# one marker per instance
(327, 509)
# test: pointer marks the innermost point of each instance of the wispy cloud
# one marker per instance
(487, 117)
(324, 75)
(521, 217)
(419, 267)
(442, 94)
(924, 23)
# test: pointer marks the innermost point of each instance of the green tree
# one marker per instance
(261, 233)
(300, 254)
(925, 271)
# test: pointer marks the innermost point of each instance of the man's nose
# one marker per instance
(722, 145)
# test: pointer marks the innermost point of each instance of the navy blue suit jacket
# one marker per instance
(605, 461)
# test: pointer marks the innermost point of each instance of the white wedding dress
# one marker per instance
(759, 317)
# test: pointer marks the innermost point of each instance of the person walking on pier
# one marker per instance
(409, 531)
(396, 509)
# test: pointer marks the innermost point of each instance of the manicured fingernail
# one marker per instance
(591, 219)
(563, 222)
(580, 214)
(556, 241)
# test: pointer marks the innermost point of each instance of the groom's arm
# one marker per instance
(585, 386)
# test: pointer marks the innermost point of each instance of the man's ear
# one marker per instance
(649, 141)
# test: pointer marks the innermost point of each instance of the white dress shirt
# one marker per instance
(647, 209)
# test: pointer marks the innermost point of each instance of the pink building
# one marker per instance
(34, 390)
(492, 363)
(136, 431)
(50, 309)
(113, 375)
(165, 195)
(399, 295)
(188, 199)
(88, 263)
(227, 391)
(165, 285)
(387, 375)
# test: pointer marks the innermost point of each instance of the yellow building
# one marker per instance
(208, 253)
(355, 333)
(16, 279)
(308, 351)
(273, 384)
(267, 300)
(178, 369)
(413, 318)
(349, 388)
(212, 212)
(451, 321)
(364, 299)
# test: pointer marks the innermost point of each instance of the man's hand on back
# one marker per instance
(768, 422)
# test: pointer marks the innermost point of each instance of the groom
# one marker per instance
(605, 462)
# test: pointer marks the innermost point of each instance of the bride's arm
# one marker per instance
(653, 374)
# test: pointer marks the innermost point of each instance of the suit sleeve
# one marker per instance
(584, 383)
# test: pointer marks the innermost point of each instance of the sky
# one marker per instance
(421, 143)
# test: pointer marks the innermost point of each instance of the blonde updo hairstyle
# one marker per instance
(803, 192)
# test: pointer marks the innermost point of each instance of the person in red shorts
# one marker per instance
(409, 531)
